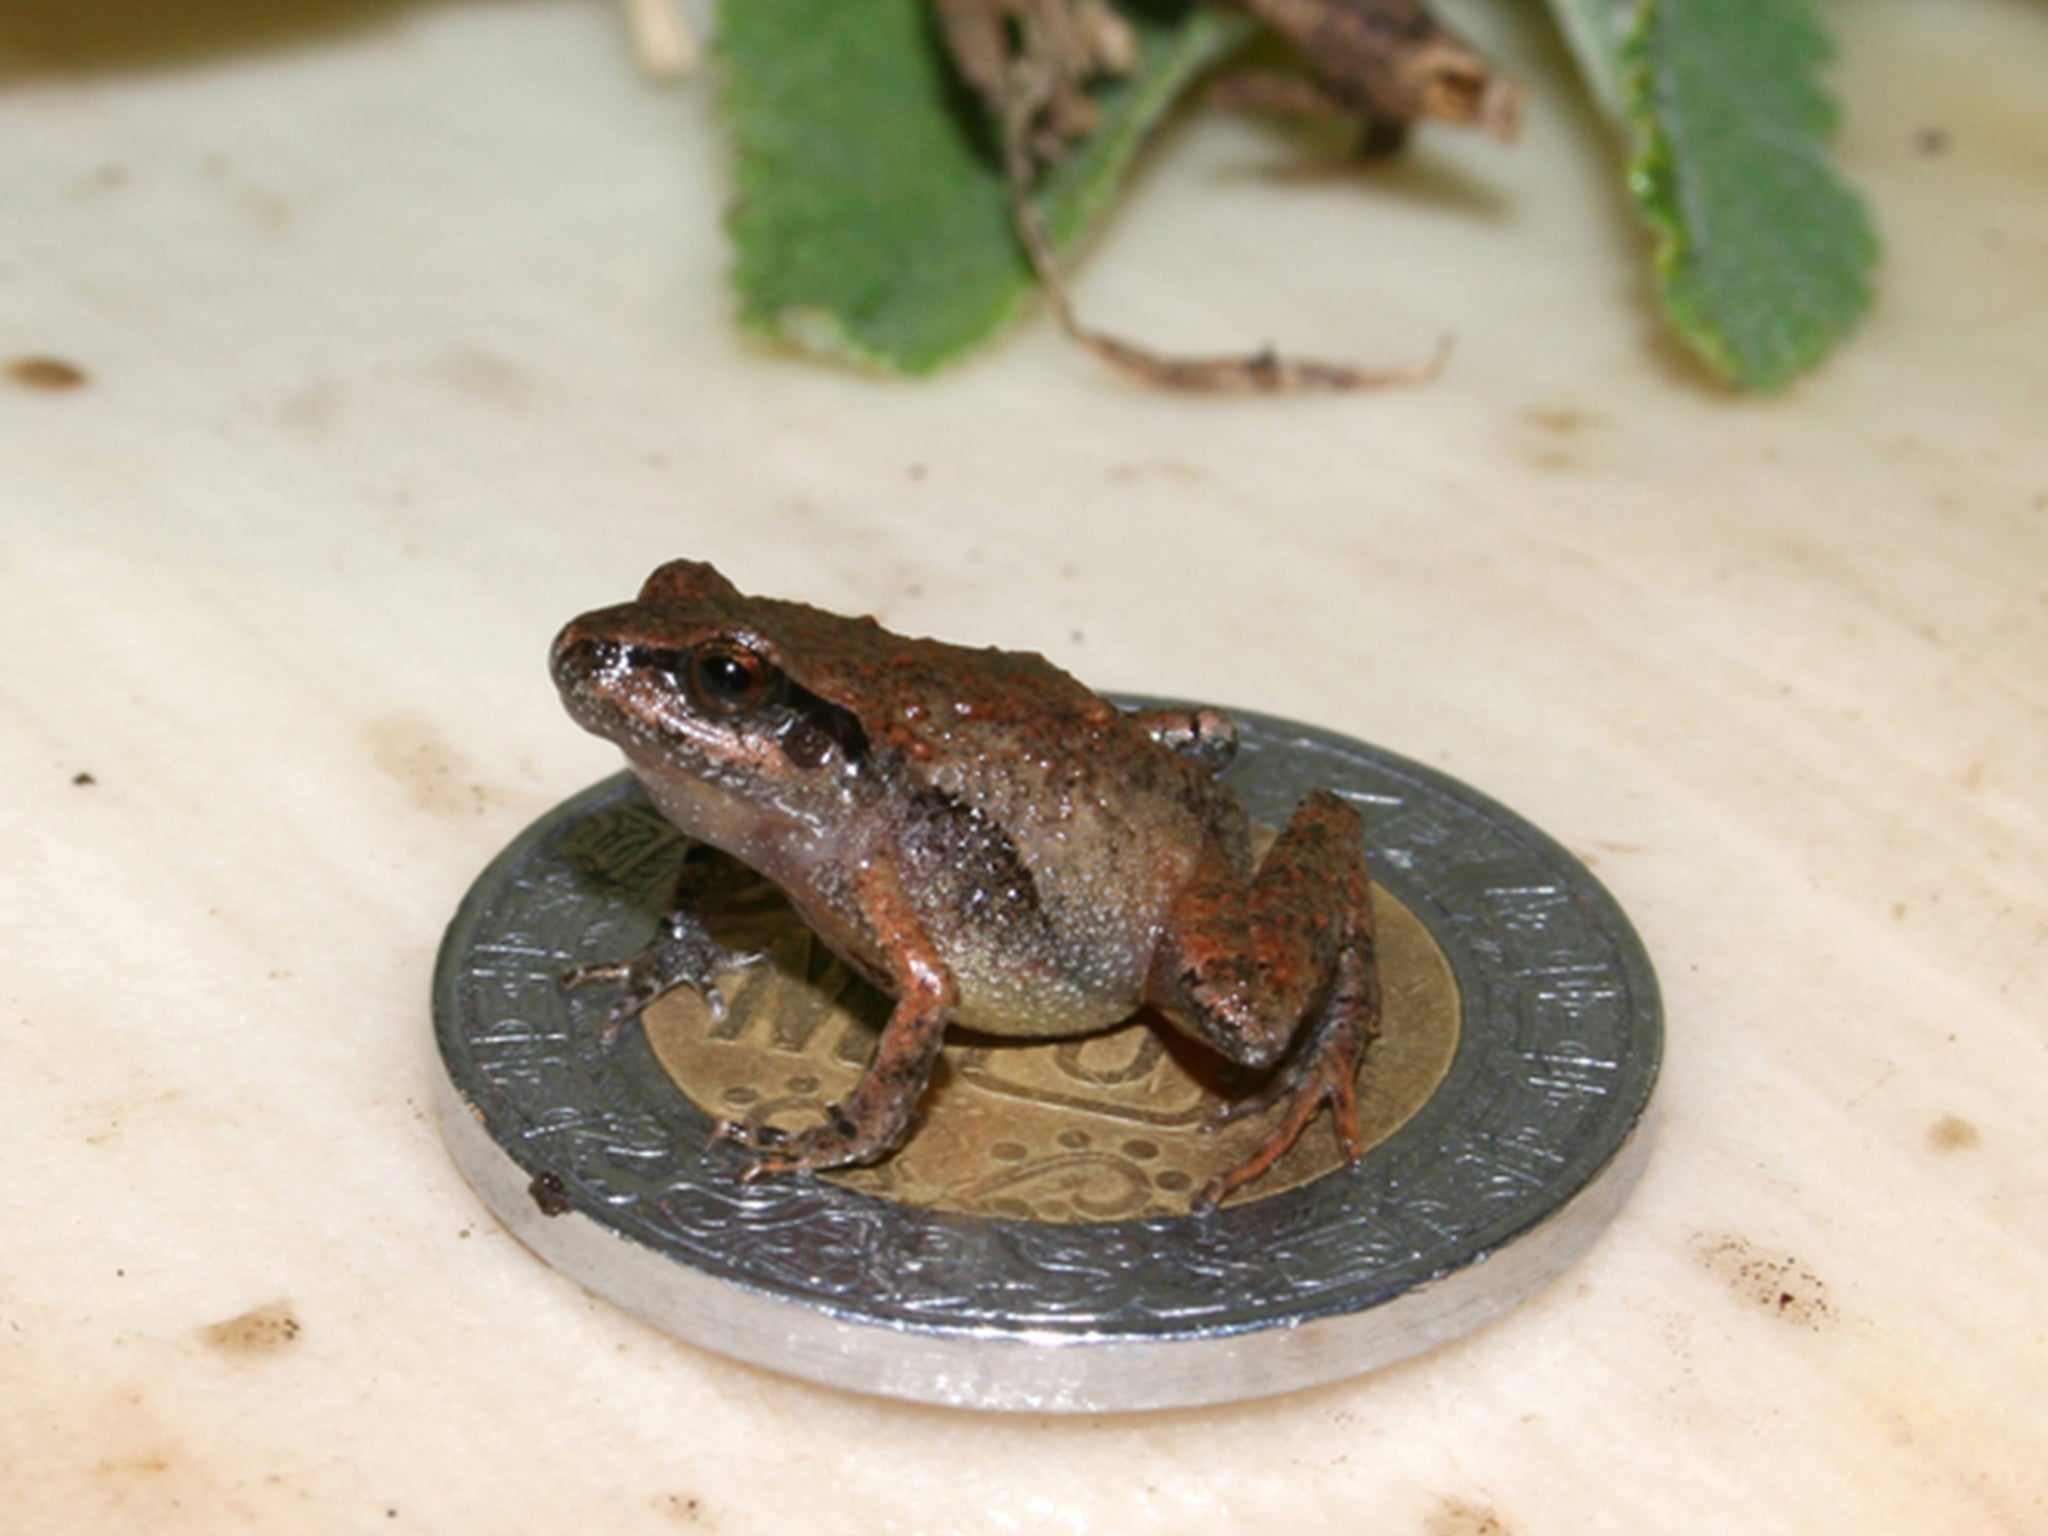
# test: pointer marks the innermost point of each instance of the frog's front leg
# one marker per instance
(876, 1116)
(1278, 972)
(682, 953)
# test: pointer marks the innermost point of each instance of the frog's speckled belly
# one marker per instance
(1039, 1002)
(1032, 977)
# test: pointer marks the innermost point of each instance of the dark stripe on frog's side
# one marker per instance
(955, 851)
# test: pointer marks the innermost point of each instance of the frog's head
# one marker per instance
(692, 682)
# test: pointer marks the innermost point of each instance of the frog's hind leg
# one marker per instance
(1322, 1069)
(1279, 972)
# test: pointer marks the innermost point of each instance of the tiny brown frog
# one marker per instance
(986, 840)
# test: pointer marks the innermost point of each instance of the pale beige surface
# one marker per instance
(407, 339)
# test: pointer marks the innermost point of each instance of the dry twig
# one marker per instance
(1385, 62)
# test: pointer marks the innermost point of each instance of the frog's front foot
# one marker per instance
(683, 954)
(838, 1143)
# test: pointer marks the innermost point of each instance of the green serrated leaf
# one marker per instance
(1764, 253)
(871, 220)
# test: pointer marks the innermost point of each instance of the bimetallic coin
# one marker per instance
(1030, 1247)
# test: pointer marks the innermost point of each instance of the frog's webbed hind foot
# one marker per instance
(1280, 975)
(1327, 1073)
(683, 954)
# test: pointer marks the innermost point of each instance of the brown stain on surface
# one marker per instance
(1952, 1133)
(1464, 1517)
(476, 373)
(1781, 1285)
(1556, 431)
(1561, 420)
(315, 409)
(1553, 459)
(152, 1464)
(271, 212)
(63, 37)
(410, 749)
(48, 375)
(262, 1331)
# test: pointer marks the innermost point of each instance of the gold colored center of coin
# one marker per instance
(1101, 1128)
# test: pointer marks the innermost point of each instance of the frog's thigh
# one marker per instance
(1244, 961)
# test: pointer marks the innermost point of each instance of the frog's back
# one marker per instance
(927, 699)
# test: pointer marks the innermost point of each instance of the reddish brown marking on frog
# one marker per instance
(997, 846)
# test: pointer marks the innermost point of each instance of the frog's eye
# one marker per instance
(728, 679)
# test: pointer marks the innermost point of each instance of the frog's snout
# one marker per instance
(585, 653)
(574, 655)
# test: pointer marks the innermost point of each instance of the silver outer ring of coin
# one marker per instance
(1495, 1186)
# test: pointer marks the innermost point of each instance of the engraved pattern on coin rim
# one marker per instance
(1560, 1047)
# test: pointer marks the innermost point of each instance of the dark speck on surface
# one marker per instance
(52, 375)
(550, 1194)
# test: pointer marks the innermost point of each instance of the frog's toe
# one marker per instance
(583, 975)
(1327, 1075)
(754, 1138)
(764, 1165)
(773, 1150)
(707, 987)
(1249, 1106)
(841, 1142)
(620, 1017)
(637, 991)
